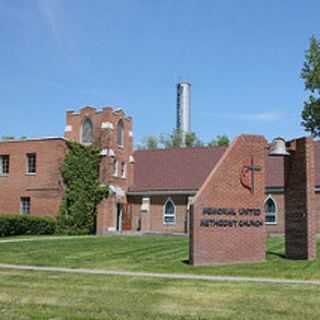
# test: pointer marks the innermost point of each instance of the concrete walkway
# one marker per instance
(173, 276)
(109, 234)
(41, 238)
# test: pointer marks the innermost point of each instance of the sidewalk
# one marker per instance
(173, 276)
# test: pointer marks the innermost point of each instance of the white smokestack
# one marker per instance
(184, 106)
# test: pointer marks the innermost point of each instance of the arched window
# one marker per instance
(87, 132)
(120, 133)
(115, 167)
(270, 208)
(169, 212)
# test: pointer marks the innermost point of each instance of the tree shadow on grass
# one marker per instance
(271, 253)
(277, 254)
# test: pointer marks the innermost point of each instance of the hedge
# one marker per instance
(17, 224)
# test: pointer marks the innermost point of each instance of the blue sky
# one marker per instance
(243, 59)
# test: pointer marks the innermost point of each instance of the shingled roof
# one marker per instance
(173, 169)
(186, 169)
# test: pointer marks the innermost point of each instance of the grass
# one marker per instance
(26, 295)
(148, 253)
(56, 296)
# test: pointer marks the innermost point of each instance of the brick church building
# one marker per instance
(150, 190)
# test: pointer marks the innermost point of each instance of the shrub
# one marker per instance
(83, 191)
(16, 224)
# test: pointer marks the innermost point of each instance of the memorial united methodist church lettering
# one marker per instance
(235, 217)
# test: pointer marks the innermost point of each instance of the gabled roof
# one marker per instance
(173, 169)
(187, 168)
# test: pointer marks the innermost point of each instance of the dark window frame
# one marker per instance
(271, 211)
(115, 167)
(123, 169)
(31, 163)
(4, 164)
(120, 133)
(169, 217)
(25, 205)
(87, 132)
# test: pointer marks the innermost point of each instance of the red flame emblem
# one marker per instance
(245, 176)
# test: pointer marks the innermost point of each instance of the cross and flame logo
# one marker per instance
(247, 174)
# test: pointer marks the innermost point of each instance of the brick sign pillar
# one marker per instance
(227, 216)
(300, 200)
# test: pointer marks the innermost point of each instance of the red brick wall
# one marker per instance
(134, 205)
(317, 208)
(157, 209)
(223, 189)
(45, 188)
(300, 200)
(155, 216)
(278, 228)
(107, 139)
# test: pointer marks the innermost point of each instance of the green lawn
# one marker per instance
(57, 296)
(147, 253)
(26, 295)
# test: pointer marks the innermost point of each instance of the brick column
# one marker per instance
(300, 200)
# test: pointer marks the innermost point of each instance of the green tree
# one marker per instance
(150, 142)
(177, 139)
(311, 75)
(6, 138)
(83, 191)
(191, 140)
(174, 140)
(220, 140)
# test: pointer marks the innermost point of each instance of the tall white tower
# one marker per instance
(184, 106)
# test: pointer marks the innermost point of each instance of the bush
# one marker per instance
(83, 191)
(16, 224)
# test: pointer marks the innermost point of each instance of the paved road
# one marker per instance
(174, 276)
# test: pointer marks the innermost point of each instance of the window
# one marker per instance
(115, 167)
(87, 132)
(4, 165)
(120, 133)
(169, 212)
(31, 163)
(123, 170)
(270, 209)
(25, 205)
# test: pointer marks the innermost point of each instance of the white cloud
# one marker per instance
(55, 16)
(51, 12)
(258, 116)
(261, 116)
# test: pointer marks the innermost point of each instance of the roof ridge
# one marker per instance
(33, 139)
(180, 148)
